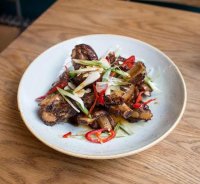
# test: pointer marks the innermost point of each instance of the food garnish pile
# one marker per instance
(99, 93)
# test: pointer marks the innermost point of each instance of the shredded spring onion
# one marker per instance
(122, 73)
(84, 70)
(106, 75)
(92, 77)
(82, 92)
(71, 85)
(69, 102)
(101, 63)
(125, 129)
(151, 84)
(76, 98)
(83, 109)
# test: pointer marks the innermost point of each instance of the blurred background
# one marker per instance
(17, 15)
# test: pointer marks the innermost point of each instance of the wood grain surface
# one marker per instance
(25, 160)
(7, 35)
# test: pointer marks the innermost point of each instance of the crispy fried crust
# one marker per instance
(83, 51)
(140, 114)
(54, 109)
(123, 110)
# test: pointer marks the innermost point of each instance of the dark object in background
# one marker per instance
(21, 13)
(172, 4)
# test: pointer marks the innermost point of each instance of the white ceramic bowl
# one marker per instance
(45, 68)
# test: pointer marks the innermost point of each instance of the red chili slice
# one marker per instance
(96, 98)
(101, 99)
(139, 97)
(139, 105)
(147, 102)
(97, 133)
(60, 84)
(129, 62)
(67, 135)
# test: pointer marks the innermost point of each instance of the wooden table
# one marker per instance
(25, 160)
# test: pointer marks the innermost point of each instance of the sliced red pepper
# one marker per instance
(148, 101)
(93, 106)
(60, 84)
(96, 98)
(97, 133)
(41, 98)
(139, 105)
(139, 97)
(67, 135)
(101, 99)
(129, 62)
(95, 91)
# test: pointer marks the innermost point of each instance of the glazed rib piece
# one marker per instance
(54, 109)
(124, 110)
(88, 99)
(83, 51)
(127, 84)
(115, 98)
(140, 114)
(100, 119)
(137, 73)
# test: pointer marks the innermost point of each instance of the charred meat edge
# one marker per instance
(116, 98)
(54, 109)
(83, 51)
(140, 114)
(146, 88)
(83, 119)
(100, 119)
(137, 73)
(124, 110)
